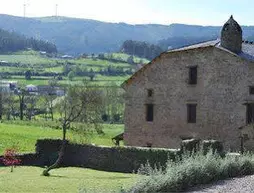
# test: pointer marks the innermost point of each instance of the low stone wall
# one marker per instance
(115, 159)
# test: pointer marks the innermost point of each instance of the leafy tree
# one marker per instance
(28, 75)
(101, 56)
(71, 75)
(141, 49)
(66, 69)
(91, 74)
(12, 42)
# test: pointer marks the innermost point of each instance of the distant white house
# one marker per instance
(3, 62)
(43, 52)
(31, 88)
(67, 57)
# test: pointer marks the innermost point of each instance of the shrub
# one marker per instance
(194, 170)
(190, 145)
(10, 158)
(214, 145)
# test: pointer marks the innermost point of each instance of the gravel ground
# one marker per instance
(235, 185)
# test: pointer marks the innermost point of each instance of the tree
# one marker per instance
(91, 74)
(130, 60)
(71, 75)
(28, 75)
(50, 96)
(21, 94)
(30, 106)
(74, 107)
(9, 104)
(66, 69)
(10, 158)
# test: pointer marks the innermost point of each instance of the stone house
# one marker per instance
(203, 91)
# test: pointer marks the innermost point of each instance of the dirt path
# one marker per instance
(235, 185)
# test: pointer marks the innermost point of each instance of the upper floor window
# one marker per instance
(193, 72)
(150, 92)
(251, 89)
(191, 113)
(149, 112)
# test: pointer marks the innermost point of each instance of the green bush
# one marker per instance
(194, 170)
(190, 145)
(214, 145)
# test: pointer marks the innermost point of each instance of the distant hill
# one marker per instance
(75, 36)
(13, 42)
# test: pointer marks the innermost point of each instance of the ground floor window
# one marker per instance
(149, 112)
(250, 113)
(191, 113)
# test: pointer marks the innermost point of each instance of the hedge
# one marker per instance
(196, 145)
(116, 159)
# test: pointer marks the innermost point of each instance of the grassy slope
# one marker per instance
(28, 179)
(27, 57)
(25, 136)
(33, 60)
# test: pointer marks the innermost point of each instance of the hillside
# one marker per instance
(12, 42)
(75, 36)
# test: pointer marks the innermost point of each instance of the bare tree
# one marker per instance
(21, 94)
(50, 96)
(76, 103)
(9, 105)
(30, 106)
(49, 104)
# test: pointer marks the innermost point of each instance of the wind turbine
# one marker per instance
(24, 7)
(56, 10)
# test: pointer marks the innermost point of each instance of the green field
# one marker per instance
(24, 135)
(18, 63)
(28, 179)
(27, 57)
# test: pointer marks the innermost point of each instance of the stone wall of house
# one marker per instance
(220, 93)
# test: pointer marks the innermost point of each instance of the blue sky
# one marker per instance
(200, 12)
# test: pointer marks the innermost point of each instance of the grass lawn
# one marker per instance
(27, 58)
(99, 80)
(28, 179)
(24, 136)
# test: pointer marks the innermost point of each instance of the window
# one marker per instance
(149, 112)
(193, 75)
(149, 92)
(251, 89)
(191, 113)
(250, 113)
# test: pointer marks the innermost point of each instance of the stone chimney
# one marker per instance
(231, 36)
